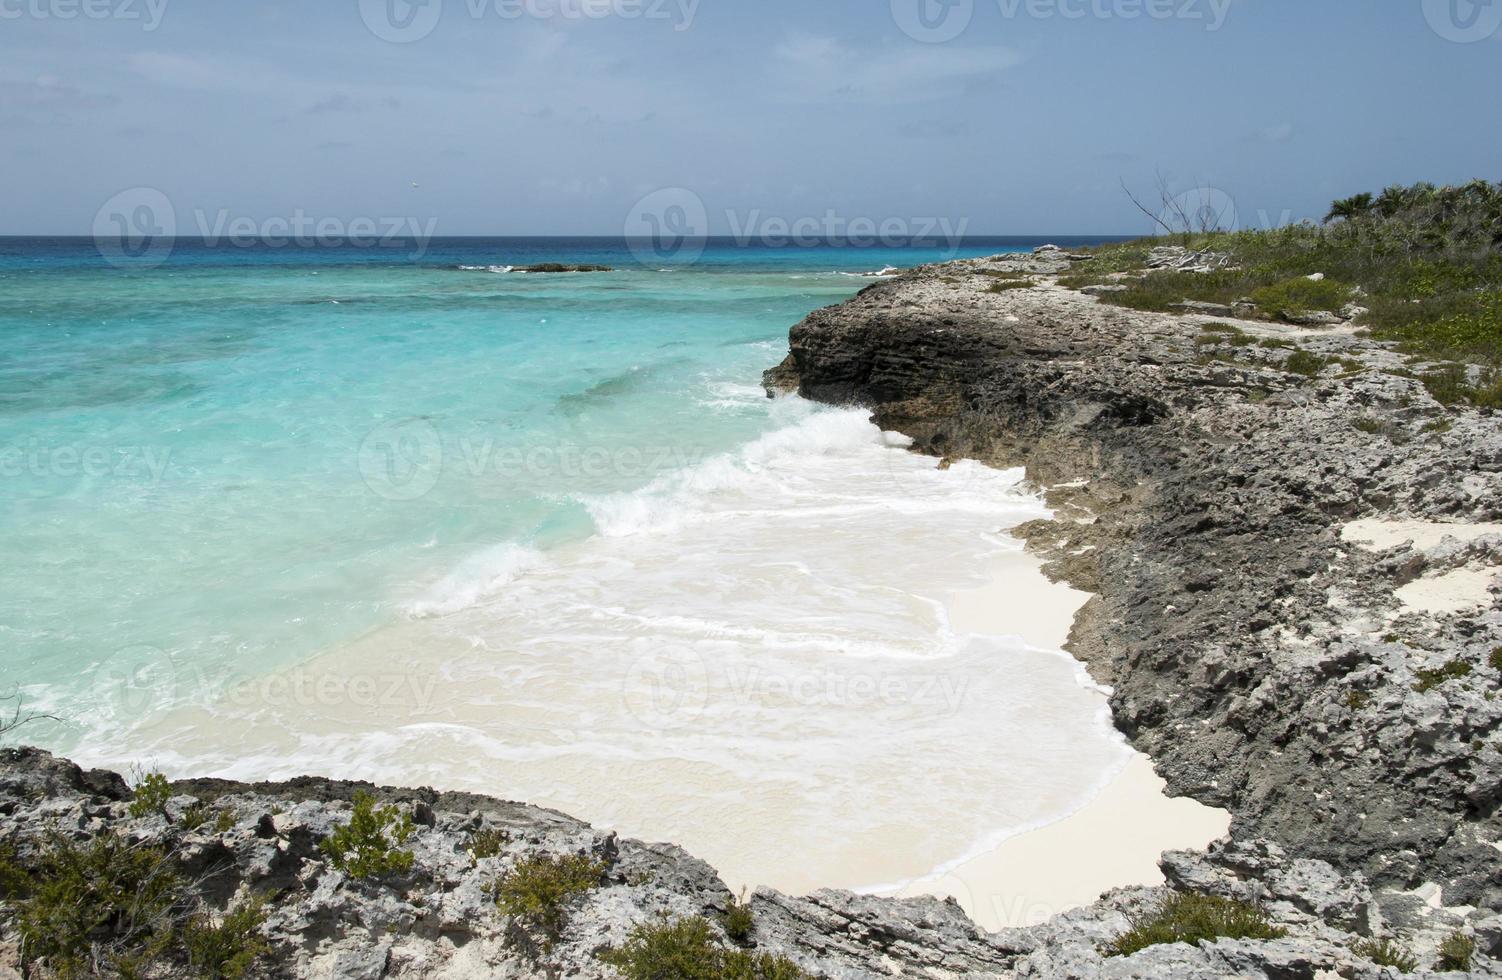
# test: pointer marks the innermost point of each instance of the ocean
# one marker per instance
(413, 518)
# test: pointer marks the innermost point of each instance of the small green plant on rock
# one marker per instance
(369, 846)
(1189, 917)
(150, 795)
(687, 950)
(1387, 952)
(1457, 953)
(487, 844)
(1496, 659)
(738, 921)
(538, 890)
(1434, 677)
(1304, 363)
(228, 949)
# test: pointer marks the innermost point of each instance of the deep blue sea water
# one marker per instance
(526, 489)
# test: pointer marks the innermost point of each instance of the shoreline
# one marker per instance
(1111, 840)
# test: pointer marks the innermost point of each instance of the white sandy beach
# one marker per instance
(815, 667)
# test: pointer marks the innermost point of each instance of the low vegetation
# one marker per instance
(485, 844)
(1424, 263)
(1388, 952)
(150, 795)
(538, 890)
(738, 921)
(1189, 917)
(369, 846)
(1433, 677)
(109, 905)
(689, 950)
(1304, 363)
(1457, 952)
(226, 949)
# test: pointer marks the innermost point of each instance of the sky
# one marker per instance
(555, 117)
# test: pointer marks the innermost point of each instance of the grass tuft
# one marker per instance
(1189, 917)
(1387, 952)
(688, 950)
(1457, 953)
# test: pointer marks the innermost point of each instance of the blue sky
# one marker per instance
(538, 120)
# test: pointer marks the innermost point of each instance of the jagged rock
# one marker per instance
(1247, 643)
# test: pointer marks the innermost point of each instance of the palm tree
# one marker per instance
(1350, 208)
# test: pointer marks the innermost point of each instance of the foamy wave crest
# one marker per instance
(886, 273)
(753, 472)
(477, 578)
(498, 269)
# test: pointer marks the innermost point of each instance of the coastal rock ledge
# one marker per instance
(1294, 604)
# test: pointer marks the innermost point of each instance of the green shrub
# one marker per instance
(1457, 952)
(1301, 295)
(369, 845)
(1188, 917)
(1434, 677)
(1358, 700)
(105, 902)
(226, 950)
(687, 950)
(1496, 659)
(150, 796)
(1305, 363)
(487, 844)
(538, 889)
(738, 921)
(1387, 952)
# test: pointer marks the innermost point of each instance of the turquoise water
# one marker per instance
(250, 455)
